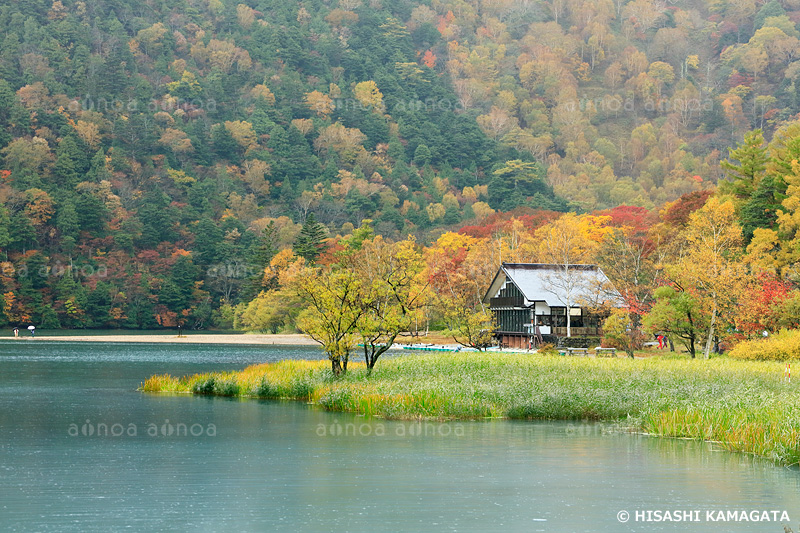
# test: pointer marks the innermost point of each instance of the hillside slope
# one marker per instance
(156, 154)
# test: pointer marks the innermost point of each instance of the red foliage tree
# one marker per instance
(677, 213)
(761, 305)
(638, 218)
(429, 59)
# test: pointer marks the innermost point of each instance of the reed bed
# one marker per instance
(771, 432)
(744, 405)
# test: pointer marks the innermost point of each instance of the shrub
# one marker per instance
(226, 387)
(782, 346)
(301, 388)
(266, 390)
(547, 349)
(620, 333)
(337, 399)
(204, 386)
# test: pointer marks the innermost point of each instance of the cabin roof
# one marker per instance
(534, 280)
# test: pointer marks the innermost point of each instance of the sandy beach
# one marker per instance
(211, 338)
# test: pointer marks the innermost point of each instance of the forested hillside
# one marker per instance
(156, 155)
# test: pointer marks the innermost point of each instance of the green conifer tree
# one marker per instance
(311, 241)
(751, 155)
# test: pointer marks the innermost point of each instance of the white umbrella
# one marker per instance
(31, 327)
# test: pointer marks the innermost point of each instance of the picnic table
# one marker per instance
(573, 351)
(605, 352)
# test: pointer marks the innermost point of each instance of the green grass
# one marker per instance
(743, 405)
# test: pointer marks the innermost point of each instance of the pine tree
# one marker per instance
(65, 170)
(208, 238)
(5, 224)
(176, 292)
(266, 248)
(92, 213)
(23, 234)
(224, 144)
(67, 221)
(98, 305)
(311, 241)
(760, 210)
(156, 219)
(98, 170)
(260, 257)
(422, 155)
(751, 155)
(770, 9)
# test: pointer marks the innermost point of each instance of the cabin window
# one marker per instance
(576, 321)
(512, 320)
(592, 321)
(510, 291)
(559, 316)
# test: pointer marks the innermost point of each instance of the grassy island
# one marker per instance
(744, 406)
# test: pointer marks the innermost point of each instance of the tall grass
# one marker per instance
(285, 379)
(770, 432)
(744, 405)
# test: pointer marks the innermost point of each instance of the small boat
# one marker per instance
(435, 348)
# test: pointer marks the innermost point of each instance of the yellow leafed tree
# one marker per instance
(789, 223)
(319, 103)
(566, 242)
(242, 132)
(711, 263)
(368, 95)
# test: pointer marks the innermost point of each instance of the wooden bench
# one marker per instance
(605, 352)
(578, 351)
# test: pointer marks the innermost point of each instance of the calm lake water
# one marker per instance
(180, 463)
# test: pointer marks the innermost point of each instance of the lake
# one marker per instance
(82, 450)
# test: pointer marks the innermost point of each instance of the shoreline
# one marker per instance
(197, 338)
(288, 339)
(741, 406)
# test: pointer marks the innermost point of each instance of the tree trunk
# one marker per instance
(373, 351)
(337, 368)
(569, 323)
(691, 337)
(367, 355)
(711, 326)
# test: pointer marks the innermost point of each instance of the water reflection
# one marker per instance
(287, 466)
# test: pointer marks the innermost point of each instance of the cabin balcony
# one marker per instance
(507, 301)
(579, 332)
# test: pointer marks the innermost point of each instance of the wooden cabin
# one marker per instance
(530, 302)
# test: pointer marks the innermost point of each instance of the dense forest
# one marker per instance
(157, 155)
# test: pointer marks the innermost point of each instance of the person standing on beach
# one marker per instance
(16, 331)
